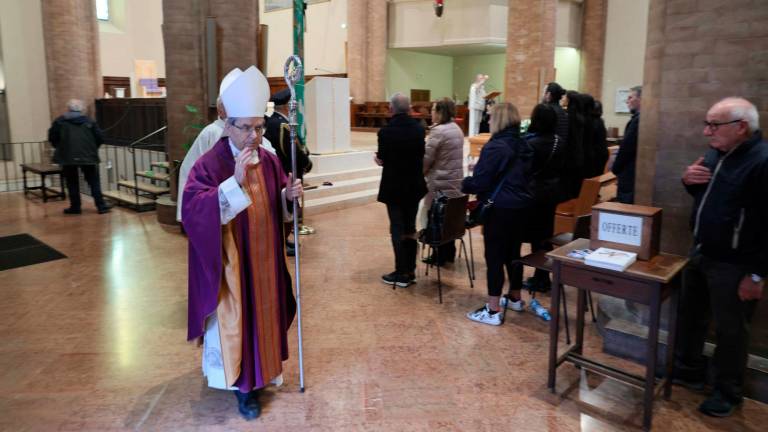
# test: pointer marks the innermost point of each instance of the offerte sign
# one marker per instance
(619, 228)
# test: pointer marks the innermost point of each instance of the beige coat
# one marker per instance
(443, 164)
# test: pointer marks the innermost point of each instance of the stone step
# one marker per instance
(160, 164)
(145, 187)
(335, 162)
(128, 198)
(154, 175)
(334, 177)
(341, 187)
(339, 202)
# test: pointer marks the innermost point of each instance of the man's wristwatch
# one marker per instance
(756, 278)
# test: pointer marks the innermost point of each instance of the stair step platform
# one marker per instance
(341, 187)
(145, 187)
(160, 164)
(154, 176)
(128, 198)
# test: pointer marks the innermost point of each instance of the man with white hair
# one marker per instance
(401, 154)
(234, 204)
(476, 103)
(729, 261)
(76, 139)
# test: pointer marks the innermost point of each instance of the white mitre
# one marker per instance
(245, 93)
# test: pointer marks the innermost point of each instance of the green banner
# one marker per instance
(298, 49)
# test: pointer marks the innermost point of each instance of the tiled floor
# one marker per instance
(97, 342)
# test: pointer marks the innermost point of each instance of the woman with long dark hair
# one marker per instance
(548, 163)
(504, 160)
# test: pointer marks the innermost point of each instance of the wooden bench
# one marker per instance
(593, 190)
(43, 170)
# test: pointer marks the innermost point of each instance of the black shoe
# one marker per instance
(290, 251)
(717, 406)
(397, 279)
(537, 285)
(71, 210)
(249, 407)
(105, 209)
(290, 244)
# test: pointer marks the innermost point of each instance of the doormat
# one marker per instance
(22, 250)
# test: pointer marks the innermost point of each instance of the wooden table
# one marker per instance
(644, 282)
(43, 170)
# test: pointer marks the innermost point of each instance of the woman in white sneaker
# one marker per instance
(504, 163)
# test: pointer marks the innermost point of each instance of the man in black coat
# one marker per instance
(401, 154)
(624, 165)
(278, 134)
(724, 278)
(76, 139)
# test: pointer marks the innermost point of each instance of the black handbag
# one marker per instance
(479, 215)
(433, 233)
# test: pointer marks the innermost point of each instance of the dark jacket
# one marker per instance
(730, 211)
(275, 131)
(624, 165)
(548, 164)
(76, 139)
(599, 149)
(562, 123)
(401, 150)
(505, 155)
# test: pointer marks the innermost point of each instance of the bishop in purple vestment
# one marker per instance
(234, 204)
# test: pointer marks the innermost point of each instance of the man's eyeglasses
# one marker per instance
(248, 129)
(713, 126)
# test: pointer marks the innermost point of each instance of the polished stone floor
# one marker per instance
(97, 342)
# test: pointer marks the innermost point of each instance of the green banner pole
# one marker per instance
(298, 49)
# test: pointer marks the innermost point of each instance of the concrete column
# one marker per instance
(594, 17)
(71, 36)
(530, 52)
(697, 53)
(367, 49)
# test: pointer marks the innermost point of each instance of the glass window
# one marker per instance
(102, 10)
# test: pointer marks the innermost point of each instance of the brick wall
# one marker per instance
(530, 52)
(366, 49)
(183, 37)
(593, 46)
(697, 53)
(71, 40)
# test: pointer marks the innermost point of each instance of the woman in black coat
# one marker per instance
(504, 160)
(548, 164)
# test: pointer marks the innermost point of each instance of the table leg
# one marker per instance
(554, 325)
(650, 356)
(671, 338)
(581, 300)
(42, 187)
(24, 179)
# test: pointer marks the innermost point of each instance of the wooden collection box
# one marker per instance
(632, 228)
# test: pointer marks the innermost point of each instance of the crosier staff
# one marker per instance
(292, 74)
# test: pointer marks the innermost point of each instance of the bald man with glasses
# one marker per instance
(729, 260)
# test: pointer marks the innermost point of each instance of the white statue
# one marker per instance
(476, 103)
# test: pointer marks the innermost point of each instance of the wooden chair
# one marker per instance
(453, 228)
(567, 212)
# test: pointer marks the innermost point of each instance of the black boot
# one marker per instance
(247, 405)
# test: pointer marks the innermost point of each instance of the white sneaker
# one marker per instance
(483, 315)
(517, 306)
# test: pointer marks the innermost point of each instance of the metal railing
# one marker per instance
(118, 162)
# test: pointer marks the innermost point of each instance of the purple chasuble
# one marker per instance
(202, 222)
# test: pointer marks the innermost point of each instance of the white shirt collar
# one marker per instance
(235, 150)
